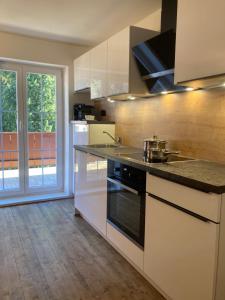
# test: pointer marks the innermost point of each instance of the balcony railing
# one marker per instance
(41, 149)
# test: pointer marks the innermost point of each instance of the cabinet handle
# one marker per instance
(184, 210)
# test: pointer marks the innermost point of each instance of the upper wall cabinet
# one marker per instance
(110, 68)
(82, 72)
(118, 62)
(98, 70)
(200, 42)
(123, 76)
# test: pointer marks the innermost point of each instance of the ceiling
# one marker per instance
(85, 22)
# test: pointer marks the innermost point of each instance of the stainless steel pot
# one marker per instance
(158, 155)
(154, 144)
(155, 150)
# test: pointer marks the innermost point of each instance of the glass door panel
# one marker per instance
(41, 127)
(31, 130)
(9, 141)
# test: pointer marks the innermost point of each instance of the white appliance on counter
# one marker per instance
(89, 133)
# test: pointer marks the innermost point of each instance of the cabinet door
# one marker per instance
(180, 252)
(80, 180)
(99, 71)
(118, 63)
(91, 189)
(82, 72)
(200, 43)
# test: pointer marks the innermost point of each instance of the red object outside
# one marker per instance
(42, 149)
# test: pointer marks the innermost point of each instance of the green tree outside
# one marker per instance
(41, 102)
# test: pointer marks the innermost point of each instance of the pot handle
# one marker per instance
(171, 152)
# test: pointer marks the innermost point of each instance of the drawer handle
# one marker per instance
(184, 210)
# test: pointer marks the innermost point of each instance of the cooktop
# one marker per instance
(141, 157)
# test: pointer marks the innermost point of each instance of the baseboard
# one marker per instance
(33, 199)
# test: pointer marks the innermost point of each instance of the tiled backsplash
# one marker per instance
(192, 122)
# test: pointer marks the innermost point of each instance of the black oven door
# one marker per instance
(126, 210)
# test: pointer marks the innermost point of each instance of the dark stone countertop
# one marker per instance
(202, 175)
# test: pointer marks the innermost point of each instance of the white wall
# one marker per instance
(41, 50)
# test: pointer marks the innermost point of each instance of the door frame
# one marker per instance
(22, 67)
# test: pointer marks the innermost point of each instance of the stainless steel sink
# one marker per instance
(104, 146)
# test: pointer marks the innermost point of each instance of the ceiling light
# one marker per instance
(164, 92)
(131, 98)
(189, 89)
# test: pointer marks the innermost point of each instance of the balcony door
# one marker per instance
(31, 135)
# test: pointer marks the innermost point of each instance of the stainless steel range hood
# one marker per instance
(156, 57)
(155, 60)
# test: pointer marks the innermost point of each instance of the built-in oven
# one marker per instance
(126, 200)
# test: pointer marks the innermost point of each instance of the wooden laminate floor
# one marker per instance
(47, 253)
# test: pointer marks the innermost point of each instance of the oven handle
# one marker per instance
(123, 185)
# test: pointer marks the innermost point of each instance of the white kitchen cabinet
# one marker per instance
(82, 72)
(200, 43)
(118, 62)
(123, 76)
(110, 69)
(98, 69)
(91, 189)
(204, 204)
(86, 133)
(131, 251)
(180, 253)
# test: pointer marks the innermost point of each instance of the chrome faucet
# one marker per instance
(116, 140)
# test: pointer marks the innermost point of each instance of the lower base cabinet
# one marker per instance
(180, 252)
(91, 189)
(128, 248)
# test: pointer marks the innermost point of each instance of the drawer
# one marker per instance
(207, 205)
(129, 249)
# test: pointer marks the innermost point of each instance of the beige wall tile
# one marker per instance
(192, 122)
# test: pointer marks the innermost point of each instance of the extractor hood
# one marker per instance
(156, 57)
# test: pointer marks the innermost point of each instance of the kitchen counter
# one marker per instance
(202, 175)
(84, 122)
